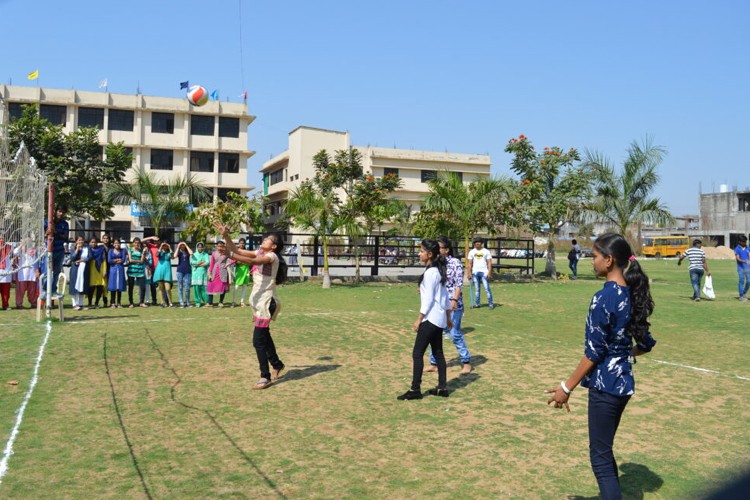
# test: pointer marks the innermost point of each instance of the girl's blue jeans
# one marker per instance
(457, 337)
(605, 411)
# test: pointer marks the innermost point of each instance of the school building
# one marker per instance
(167, 136)
(725, 215)
(286, 171)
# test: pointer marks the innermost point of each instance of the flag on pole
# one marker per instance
(185, 84)
(103, 84)
(244, 95)
(215, 95)
(33, 75)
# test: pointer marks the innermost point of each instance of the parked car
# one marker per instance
(586, 252)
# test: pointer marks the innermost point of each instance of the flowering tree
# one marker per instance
(551, 188)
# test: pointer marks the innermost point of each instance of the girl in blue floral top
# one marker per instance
(618, 317)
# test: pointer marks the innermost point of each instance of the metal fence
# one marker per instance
(376, 255)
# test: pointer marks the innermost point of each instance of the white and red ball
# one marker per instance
(197, 95)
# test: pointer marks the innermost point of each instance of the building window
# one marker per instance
(15, 110)
(162, 159)
(201, 125)
(428, 175)
(743, 200)
(119, 229)
(91, 117)
(201, 161)
(390, 171)
(460, 175)
(276, 177)
(162, 123)
(229, 163)
(121, 119)
(56, 115)
(222, 193)
(229, 127)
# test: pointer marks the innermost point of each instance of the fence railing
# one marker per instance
(375, 254)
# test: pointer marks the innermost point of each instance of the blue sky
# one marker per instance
(435, 75)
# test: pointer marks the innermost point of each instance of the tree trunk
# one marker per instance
(326, 276)
(550, 268)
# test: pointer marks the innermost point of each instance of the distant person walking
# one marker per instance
(742, 256)
(573, 256)
(697, 265)
(479, 268)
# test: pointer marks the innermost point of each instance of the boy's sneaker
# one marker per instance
(743, 299)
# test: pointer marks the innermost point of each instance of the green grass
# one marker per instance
(179, 382)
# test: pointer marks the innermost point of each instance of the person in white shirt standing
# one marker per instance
(479, 268)
(696, 266)
(434, 317)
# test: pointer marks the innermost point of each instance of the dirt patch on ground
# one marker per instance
(720, 252)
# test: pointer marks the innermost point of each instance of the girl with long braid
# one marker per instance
(269, 269)
(434, 317)
(617, 318)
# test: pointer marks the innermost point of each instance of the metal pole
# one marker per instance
(50, 239)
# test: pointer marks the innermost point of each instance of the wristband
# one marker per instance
(565, 388)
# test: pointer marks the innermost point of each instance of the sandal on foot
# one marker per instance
(410, 395)
(262, 384)
(276, 374)
(439, 392)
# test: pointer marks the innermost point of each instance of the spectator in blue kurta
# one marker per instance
(116, 282)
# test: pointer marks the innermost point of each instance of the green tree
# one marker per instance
(73, 162)
(163, 201)
(625, 199)
(467, 207)
(237, 213)
(551, 190)
(365, 205)
(311, 209)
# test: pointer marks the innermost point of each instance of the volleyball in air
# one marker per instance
(197, 95)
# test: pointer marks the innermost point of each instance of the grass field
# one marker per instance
(138, 403)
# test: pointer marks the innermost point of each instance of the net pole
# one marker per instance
(50, 239)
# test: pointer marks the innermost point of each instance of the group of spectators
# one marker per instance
(102, 270)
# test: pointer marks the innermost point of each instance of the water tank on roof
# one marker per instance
(723, 188)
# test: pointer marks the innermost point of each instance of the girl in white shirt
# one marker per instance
(434, 317)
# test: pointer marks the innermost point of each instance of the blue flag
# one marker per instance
(185, 84)
(215, 95)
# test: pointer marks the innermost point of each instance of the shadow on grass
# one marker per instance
(635, 481)
(309, 371)
(69, 317)
(475, 361)
(462, 381)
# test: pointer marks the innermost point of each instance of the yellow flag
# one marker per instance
(34, 75)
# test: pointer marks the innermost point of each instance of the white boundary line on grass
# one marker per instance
(697, 368)
(22, 409)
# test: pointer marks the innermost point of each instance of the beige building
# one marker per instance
(284, 172)
(168, 136)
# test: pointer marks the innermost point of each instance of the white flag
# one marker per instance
(103, 84)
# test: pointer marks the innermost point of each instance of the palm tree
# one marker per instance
(468, 206)
(162, 201)
(311, 210)
(624, 200)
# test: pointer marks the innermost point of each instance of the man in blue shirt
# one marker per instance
(742, 256)
(59, 230)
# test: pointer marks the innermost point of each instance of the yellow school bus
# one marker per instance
(664, 246)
